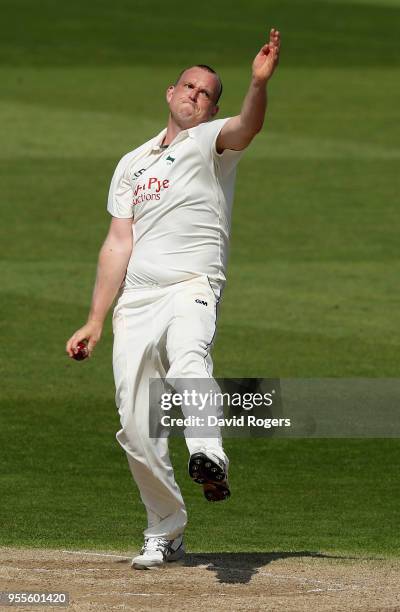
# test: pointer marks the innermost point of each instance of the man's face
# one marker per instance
(192, 100)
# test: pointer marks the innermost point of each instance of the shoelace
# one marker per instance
(155, 544)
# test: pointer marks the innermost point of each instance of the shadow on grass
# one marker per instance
(235, 568)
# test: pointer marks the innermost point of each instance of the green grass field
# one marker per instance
(312, 282)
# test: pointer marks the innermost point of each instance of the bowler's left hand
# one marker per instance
(267, 58)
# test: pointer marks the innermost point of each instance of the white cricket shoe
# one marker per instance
(158, 551)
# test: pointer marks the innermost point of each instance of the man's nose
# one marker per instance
(193, 94)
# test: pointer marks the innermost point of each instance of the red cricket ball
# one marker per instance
(81, 352)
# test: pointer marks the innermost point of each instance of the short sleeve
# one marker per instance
(206, 135)
(120, 194)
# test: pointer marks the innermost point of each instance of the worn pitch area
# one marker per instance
(206, 581)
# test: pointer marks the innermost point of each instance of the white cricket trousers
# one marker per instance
(160, 332)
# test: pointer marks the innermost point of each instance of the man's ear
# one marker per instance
(169, 93)
(215, 110)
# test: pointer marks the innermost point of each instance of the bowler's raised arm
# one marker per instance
(239, 131)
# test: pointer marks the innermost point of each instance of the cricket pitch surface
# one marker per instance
(205, 581)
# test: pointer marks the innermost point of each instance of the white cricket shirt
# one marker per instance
(180, 199)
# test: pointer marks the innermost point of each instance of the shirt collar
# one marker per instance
(156, 143)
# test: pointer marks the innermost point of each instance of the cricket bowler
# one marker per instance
(164, 261)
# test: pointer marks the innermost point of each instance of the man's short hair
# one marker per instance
(209, 69)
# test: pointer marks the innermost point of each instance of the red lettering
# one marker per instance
(153, 183)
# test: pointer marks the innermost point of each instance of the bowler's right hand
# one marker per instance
(91, 332)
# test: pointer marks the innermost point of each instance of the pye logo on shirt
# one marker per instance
(203, 302)
(149, 190)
